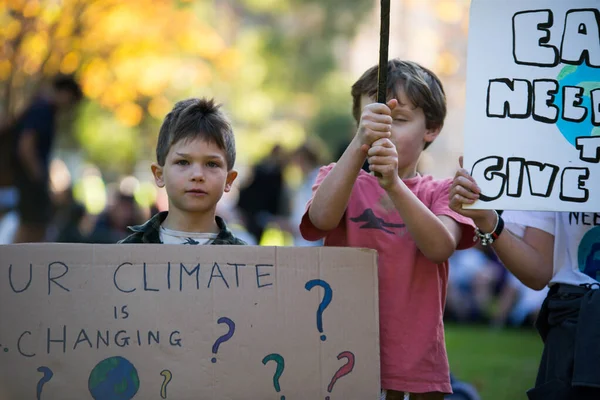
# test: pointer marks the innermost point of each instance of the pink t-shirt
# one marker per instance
(412, 289)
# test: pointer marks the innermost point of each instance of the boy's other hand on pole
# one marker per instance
(375, 123)
(383, 160)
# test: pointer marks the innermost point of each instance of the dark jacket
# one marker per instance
(149, 232)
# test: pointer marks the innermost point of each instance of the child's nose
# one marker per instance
(197, 172)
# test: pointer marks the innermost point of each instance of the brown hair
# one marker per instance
(196, 119)
(422, 87)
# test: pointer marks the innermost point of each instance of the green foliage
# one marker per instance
(502, 364)
(272, 63)
(107, 142)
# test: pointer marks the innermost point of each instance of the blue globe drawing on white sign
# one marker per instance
(587, 78)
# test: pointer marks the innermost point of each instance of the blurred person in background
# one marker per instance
(474, 274)
(309, 158)
(111, 225)
(66, 225)
(68, 217)
(228, 210)
(9, 195)
(481, 290)
(9, 219)
(518, 305)
(33, 134)
(264, 201)
(70, 228)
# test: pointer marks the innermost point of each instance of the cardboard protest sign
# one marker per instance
(118, 322)
(532, 127)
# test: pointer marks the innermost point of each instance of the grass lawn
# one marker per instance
(501, 364)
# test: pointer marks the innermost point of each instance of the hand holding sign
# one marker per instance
(464, 192)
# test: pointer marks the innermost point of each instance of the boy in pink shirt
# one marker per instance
(404, 216)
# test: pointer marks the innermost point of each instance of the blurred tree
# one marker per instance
(267, 60)
(292, 52)
(132, 58)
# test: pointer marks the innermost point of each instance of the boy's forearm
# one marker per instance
(430, 234)
(331, 199)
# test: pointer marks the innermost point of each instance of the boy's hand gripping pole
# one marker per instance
(384, 39)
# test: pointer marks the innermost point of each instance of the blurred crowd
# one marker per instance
(40, 201)
(266, 209)
(482, 291)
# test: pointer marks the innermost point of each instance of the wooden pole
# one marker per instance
(384, 40)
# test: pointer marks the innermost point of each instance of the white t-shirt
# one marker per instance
(576, 242)
(169, 236)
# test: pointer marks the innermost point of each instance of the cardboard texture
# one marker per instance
(116, 322)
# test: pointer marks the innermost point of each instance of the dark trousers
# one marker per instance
(569, 323)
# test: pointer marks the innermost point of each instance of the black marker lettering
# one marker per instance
(581, 38)
(572, 185)
(195, 271)
(530, 39)
(10, 281)
(589, 148)
(52, 279)
(506, 98)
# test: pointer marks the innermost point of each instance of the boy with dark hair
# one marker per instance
(401, 214)
(195, 157)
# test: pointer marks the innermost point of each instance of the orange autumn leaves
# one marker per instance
(128, 55)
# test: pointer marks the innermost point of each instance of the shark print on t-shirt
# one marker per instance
(170, 236)
(369, 220)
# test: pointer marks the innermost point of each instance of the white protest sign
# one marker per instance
(122, 322)
(532, 126)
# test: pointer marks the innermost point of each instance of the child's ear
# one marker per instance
(431, 134)
(157, 171)
(231, 175)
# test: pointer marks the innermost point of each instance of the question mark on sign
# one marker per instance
(324, 303)
(47, 376)
(168, 376)
(278, 372)
(344, 369)
(225, 337)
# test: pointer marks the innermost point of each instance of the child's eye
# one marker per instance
(182, 162)
(213, 164)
